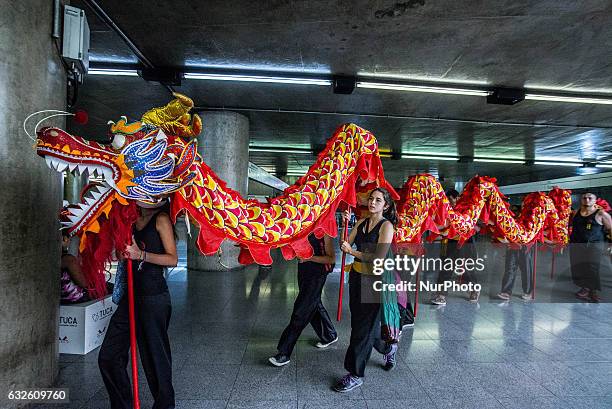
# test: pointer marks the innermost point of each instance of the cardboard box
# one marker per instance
(82, 326)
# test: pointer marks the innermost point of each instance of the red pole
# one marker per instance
(341, 289)
(130, 283)
(535, 264)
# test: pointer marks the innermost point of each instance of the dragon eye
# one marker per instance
(118, 141)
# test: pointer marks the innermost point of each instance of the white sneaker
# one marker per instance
(322, 345)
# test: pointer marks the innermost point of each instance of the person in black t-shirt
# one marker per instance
(308, 307)
(589, 226)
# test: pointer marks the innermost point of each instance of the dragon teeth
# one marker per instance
(72, 166)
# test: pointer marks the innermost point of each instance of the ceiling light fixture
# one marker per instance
(257, 78)
(123, 73)
(551, 163)
(571, 99)
(428, 157)
(422, 88)
(301, 151)
(491, 160)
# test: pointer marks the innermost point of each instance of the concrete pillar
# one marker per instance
(224, 146)
(73, 184)
(31, 78)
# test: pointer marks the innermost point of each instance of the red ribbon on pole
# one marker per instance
(130, 283)
(341, 289)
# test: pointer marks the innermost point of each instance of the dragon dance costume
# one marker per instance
(157, 157)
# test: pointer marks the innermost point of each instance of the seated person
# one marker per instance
(74, 285)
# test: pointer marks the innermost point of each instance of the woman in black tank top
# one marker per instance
(372, 237)
(152, 249)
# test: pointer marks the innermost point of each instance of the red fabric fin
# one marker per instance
(260, 254)
(209, 239)
(244, 257)
(288, 253)
(327, 224)
(302, 248)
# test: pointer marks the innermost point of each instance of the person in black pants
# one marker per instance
(373, 237)
(518, 257)
(308, 307)
(589, 226)
(450, 249)
(153, 247)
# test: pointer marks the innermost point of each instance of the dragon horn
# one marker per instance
(172, 111)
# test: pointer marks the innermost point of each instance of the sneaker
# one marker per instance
(474, 296)
(503, 296)
(406, 323)
(348, 383)
(439, 300)
(594, 297)
(279, 360)
(583, 294)
(527, 297)
(326, 344)
(406, 318)
(390, 358)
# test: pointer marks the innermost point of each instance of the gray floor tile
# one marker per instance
(535, 402)
(562, 380)
(265, 382)
(469, 351)
(467, 402)
(205, 381)
(423, 351)
(407, 403)
(504, 380)
(399, 383)
(262, 404)
(332, 404)
(447, 380)
(314, 382)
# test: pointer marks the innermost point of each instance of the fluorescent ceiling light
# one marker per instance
(123, 73)
(257, 78)
(572, 99)
(422, 88)
(490, 160)
(571, 164)
(280, 150)
(428, 157)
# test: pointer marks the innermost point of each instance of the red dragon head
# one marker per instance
(146, 161)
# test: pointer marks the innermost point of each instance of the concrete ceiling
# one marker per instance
(556, 45)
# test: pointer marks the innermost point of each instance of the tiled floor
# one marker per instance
(513, 355)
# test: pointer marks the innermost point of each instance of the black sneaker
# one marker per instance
(348, 383)
(390, 358)
(322, 344)
(279, 360)
(406, 322)
(406, 317)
